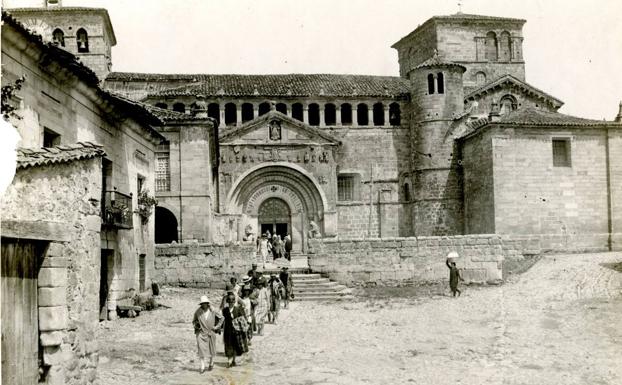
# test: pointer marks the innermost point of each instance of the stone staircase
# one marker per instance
(313, 287)
(307, 286)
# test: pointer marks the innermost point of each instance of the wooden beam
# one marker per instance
(36, 230)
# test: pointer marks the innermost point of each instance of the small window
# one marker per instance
(394, 114)
(282, 108)
(430, 84)
(406, 192)
(561, 153)
(164, 106)
(231, 114)
(378, 114)
(58, 37)
(50, 138)
(140, 183)
(440, 83)
(247, 112)
(347, 187)
(480, 78)
(297, 111)
(162, 172)
(83, 40)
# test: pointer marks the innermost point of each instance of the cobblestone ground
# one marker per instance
(559, 323)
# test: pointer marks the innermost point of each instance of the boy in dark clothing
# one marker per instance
(454, 277)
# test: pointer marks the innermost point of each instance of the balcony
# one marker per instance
(117, 210)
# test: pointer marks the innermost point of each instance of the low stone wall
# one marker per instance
(403, 261)
(202, 264)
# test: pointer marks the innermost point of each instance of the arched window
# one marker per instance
(430, 84)
(264, 108)
(213, 111)
(179, 107)
(378, 114)
(346, 114)
(480, 78)
(406, 192)
(162, 105)
(58, 37)
(282, 108)
(491, 46)
(395, 118)
(314, 114)
(440, 83)
(504, 46)
(247, 112)
(362, 115)
(231, 115)
(507, 104)
(297, 111)
(82, 39)
(330, 114)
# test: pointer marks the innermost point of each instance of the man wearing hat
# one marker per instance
(206, 324)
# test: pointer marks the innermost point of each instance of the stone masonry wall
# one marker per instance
(69, 276)
(201, 264)
(403, 261)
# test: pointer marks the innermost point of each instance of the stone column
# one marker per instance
(222, 118)
(288, 110)
(355, 115)
(338, 114)
(238, 114)
(322, 116)
(255, 110)
(386, 116)
(305, 114)
(370, 115)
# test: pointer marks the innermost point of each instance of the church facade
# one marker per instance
(458, 143)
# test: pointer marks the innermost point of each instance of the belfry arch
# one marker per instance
(289, 185)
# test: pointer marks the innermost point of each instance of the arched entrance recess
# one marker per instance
(274, 216)
(292, 186)
(165, 226)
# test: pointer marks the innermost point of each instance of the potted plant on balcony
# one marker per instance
(145, 205)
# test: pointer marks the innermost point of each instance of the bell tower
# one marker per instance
(84, 32)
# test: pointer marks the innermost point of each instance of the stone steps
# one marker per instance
(314, 287)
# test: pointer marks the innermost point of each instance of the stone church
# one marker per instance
(458, 143)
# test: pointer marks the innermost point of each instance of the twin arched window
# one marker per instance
(440, 83)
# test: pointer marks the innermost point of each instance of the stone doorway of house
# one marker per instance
(105, 280)
(274, 215)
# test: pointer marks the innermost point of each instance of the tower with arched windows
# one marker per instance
(85, 32)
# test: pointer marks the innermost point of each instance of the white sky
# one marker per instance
(572, 48)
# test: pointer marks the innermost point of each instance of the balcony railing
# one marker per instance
(117, 210)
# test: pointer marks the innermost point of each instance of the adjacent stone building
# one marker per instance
(84, 156)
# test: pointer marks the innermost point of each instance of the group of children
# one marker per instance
(244, 310)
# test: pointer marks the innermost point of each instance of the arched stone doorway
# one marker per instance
(294, 187)
(165, 226)
(274, 215)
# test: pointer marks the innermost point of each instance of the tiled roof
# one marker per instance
(436, 61)
(167, 115)
(537, 117)
(29, 157)
(274, 85)
(509, 80)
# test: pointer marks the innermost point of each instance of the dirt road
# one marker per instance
(559, 323)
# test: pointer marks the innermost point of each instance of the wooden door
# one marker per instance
(20, 323)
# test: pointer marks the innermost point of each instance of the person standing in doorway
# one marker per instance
(274, 247)
(206, 324)
(263, 249)
(286, 280)
(288, 247)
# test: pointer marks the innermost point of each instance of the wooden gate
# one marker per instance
(20, 326)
